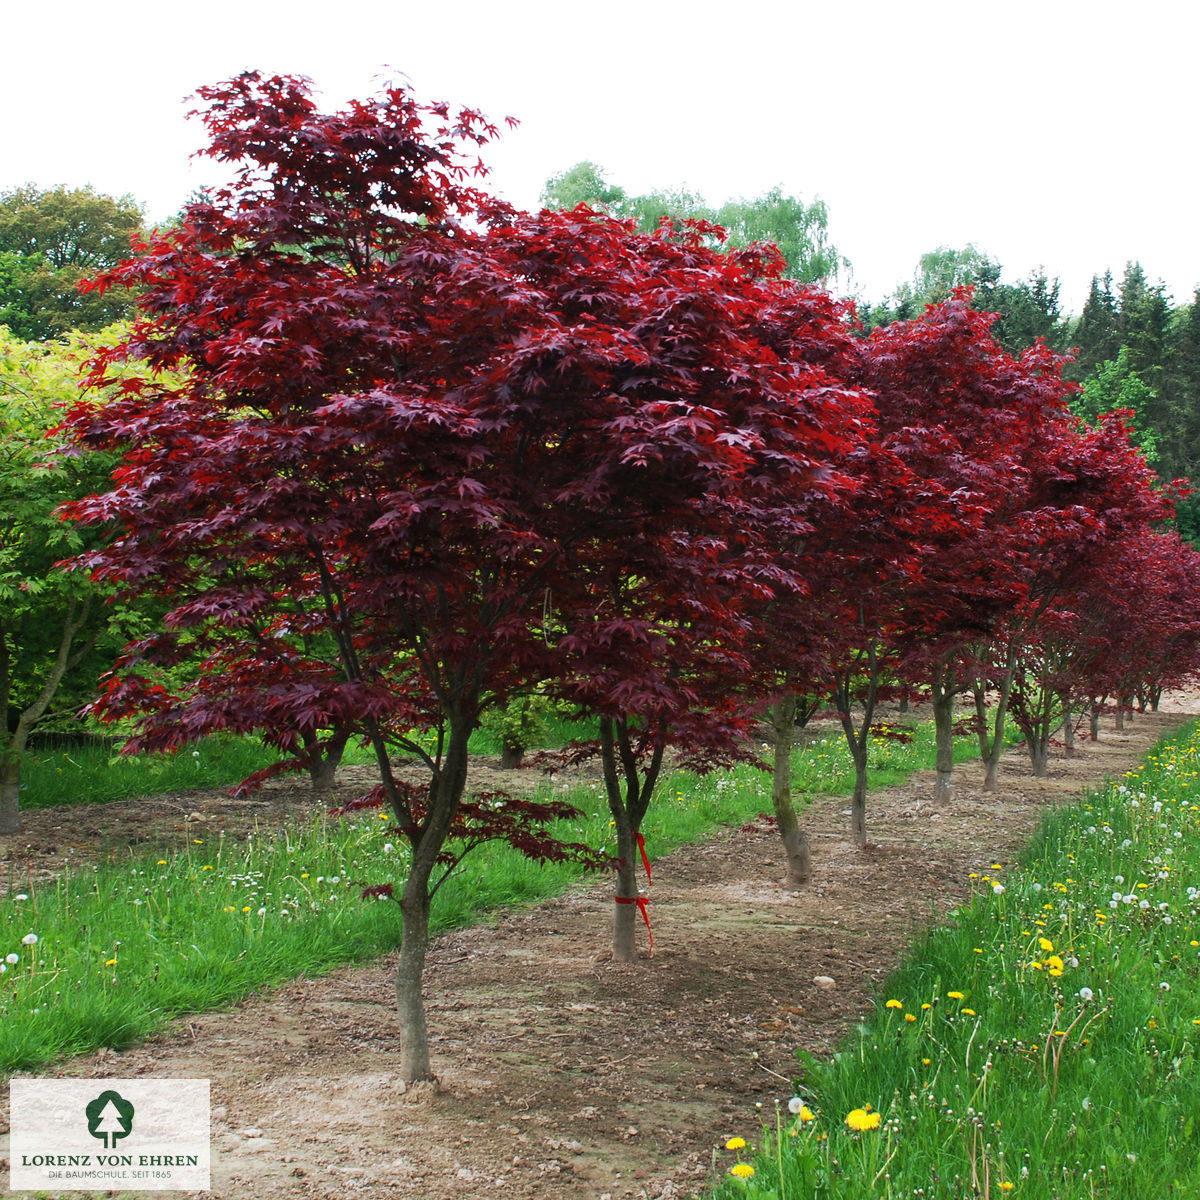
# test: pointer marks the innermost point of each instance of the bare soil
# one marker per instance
(563, 1076)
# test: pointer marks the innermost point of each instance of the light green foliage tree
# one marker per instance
(1116, 385)
(800, 230)
(50, 619)
(938, 273)
(49, 242)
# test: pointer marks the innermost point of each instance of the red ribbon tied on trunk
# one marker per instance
(645, 861)
(643, 908)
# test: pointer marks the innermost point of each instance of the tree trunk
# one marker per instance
(625, 908)
(511, 754)
(410, 1002)
(796, 849)
(858, 806)
(991, 761)
(1039, 756)
(324, 759)
(10, 786)
(12, 745)
(427, 837)
(1068, 728)
(943, 724)
(628, 805)
(1095, 722)
(1119, 724)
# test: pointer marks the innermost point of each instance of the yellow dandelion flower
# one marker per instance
(1006, 1186)
(860, 1120)
(1055, 963)
(969, 1011)
(925, 1062)
(1046, 944)
(735, 1144)
(909, 1018)
(162, 862)
(1037, 966)
(806, 1114)
(926, 1006)
(893, 1004)
(741, 1170)
(111, 962)
(956, 995)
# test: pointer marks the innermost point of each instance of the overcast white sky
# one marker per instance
(1059, 133)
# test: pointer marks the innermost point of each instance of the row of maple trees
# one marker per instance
(404, 453)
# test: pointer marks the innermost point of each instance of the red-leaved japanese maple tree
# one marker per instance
(461, 450)
(968, 419)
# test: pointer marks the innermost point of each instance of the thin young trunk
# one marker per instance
(857, 739)
(415, 905)
(446, 788)
(1119, 724)
(12, 747)
(1068, 728)
(943, 724)
(629, 793)
(1095, 720)
(796, 847)
(991, 761)
(858, 806)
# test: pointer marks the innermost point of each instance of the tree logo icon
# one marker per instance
(110, 1117)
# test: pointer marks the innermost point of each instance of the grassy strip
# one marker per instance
(121, 949)
(1044, 1044)
(94, 773)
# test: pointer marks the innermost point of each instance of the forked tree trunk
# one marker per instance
(858, 740)
(796, 849)
(629, 790)
(993, 747)
(323, 760)
(427, 837)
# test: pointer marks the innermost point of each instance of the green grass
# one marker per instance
(98, 774)
(124, 947)
(1043, 1044)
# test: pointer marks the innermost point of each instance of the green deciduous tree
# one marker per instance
(50, 241)
(800, 230)
(50, 619)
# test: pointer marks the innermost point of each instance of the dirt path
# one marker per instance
(566, 1077)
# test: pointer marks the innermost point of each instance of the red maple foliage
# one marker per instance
(397, 465)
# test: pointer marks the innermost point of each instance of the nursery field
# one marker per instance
(562, 1075)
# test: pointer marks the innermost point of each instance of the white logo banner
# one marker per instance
(149, 1135)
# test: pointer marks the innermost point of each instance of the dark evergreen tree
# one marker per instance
(1096, 334)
